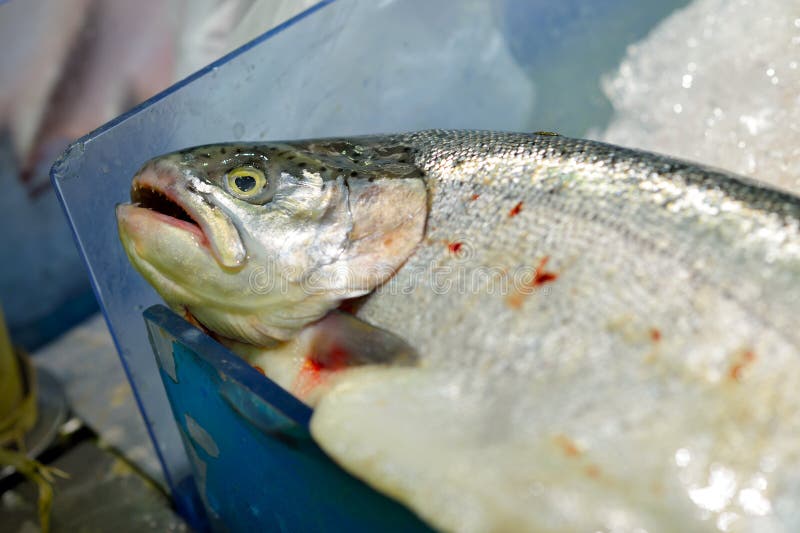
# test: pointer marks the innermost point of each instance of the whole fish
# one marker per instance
(503, 331)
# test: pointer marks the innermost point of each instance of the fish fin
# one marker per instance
(343, 340)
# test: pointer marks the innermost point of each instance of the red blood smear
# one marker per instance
(736, 370)
(455, 247)
(315, 367)
(542, 276)
(655, 334)
(310, 376)
(474, 197)
(515, 210)
(314, 372)
(337, 359)
(567, 445)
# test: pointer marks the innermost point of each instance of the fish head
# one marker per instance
(257, 241)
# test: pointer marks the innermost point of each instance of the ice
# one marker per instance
(717, 82)
(566, 46)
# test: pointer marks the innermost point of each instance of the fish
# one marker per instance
(503, 331)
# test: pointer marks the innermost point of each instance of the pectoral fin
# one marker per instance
(310, 364)
(341, 340)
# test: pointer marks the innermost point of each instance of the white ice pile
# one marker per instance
(717, 82)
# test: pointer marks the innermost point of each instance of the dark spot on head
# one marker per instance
(353, 174)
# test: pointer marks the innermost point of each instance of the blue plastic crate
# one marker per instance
(252, 456)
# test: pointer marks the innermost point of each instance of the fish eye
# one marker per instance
(246, 181)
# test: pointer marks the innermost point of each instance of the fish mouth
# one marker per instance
(162, 194)
(166, 210)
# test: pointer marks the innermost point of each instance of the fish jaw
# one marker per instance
(160, 247)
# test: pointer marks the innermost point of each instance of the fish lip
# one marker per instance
(214, 228)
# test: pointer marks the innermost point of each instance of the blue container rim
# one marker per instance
(229, 364)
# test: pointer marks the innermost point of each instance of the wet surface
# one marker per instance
(87, 365)
(115, 482)
(103, 493)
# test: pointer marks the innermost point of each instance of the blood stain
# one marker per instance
(317, 368)
(543, 276)
(567, 445)
(592, 471)
(737, 370)
(515, 210)
(540, 277)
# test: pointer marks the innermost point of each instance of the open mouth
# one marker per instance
(161, 193)
(167, 209)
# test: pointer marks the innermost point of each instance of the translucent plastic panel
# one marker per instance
(344, 67)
